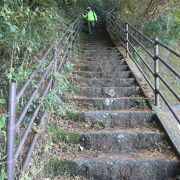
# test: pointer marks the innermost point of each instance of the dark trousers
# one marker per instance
(91, 26)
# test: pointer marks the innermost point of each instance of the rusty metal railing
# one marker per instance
(131, 38)
(50, 62)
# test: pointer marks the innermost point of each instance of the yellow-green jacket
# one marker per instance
(90, 16)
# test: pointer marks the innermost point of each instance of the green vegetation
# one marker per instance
(57, 167)
(65, 136)
(72, 115)
(141, 103)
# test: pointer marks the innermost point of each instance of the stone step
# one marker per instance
(101, 56)
(121, 140)
(141, 165)
(101, 67)
(106, 82)
(99, 48)
(105, 43)
(100, 52)
(111, 103)
(110, 91)
(92, 43)
(90, 74)
(91, 61)
(111, 119)
(100, 45)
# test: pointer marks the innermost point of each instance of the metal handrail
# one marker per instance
(148, 39)
(169, 67)
(147, 65)
(147, 51)
(14, 122)
(152, 86)
(168, 48)
(114, 27)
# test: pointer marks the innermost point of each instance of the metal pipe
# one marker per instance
(141, 34)
(151, 55)
(11, 131)
(64, 57)
(153, 88)
(25, 86)
(168, 48)
(147, 65)
(169, 67)
(24, 111)
(121, 28)
(156, 69)
(33, 143)
(31, 121)
(169, 87)
(122, 37)
(13, 97)
(169, 106)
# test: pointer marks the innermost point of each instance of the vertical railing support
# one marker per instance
(110, 23)
(127, 40)
(156, 67)
(11, 131)
(56, 55)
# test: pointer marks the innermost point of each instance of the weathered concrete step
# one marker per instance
(115, 50)
(101, 56)
(112, 103)
(98, 42)
(101, 67)
(121, 140)
(143, 165)
(106, 82)
(100, 45)
(99, 48)
(110, 119)
(100, 52)
(90, 74)
(90, 61)
(110, 91)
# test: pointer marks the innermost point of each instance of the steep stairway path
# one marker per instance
(128, 139)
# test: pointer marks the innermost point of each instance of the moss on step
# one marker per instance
(66, 136)
(141, 103)
(57, 167)
(72, 115)
(81, 67)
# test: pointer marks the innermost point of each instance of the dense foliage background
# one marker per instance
(28, 27)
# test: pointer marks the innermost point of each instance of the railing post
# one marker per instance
(156, 66)
(114, 26)
(127, 41)
(110, 26)
(56, 51)
(11, 131)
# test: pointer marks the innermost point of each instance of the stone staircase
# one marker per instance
(129, 141)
